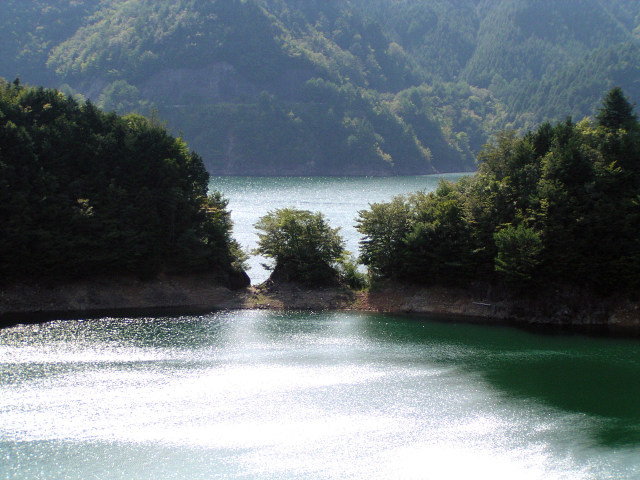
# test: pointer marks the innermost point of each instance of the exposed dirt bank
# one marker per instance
(112, 296)
(573, 309)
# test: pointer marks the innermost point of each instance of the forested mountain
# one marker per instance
(339, 87)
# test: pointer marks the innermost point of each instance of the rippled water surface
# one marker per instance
(271, 395)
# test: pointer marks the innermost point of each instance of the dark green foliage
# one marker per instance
(519, 252)
(242, 50)
(384, 227)
(303, 246)
(538, 63)
(86, 193)
(29, 30)
(576, 87)
(557, 206)
(350, 275)
(342, 129)
(438, 246)
(616, 111)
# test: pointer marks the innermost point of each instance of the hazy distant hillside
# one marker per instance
(339, 87)
(526, 51)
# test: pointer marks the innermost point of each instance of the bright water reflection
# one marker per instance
(338, 198)
(300, 395)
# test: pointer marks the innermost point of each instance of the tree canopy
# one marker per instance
(559, 205)
(84, 193)
(616, 111)
(374, 87)
(303, 246)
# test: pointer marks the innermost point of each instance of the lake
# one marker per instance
(293, 395)
(259, 394)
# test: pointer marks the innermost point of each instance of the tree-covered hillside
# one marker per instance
(556, 207)
(340, 87)
(85, 193)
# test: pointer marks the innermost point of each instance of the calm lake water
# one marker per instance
(338, 198)
(268, 395)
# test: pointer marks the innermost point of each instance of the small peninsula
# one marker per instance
(111, 215)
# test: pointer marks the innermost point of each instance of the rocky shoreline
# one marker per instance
(202, 293)
(111, 296)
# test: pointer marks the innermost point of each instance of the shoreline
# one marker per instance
(197, 294)
(111, 296)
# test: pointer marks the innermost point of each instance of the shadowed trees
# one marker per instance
(88, 193)
(558, 205)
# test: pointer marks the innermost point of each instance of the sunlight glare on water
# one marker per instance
(288, 396)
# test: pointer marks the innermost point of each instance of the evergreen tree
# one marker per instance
(616, 111)
(558, 206)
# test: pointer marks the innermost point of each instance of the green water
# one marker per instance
(260, 394)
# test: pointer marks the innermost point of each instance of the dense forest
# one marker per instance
(340, 87)
(83, 192)
(557, 206)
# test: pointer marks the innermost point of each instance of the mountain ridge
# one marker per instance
(271, 87)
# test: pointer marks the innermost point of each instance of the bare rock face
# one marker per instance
(568, 308)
